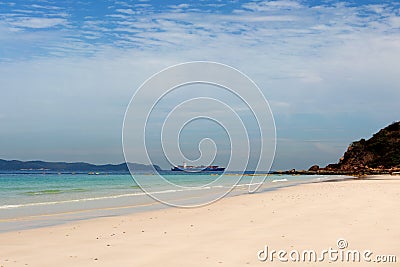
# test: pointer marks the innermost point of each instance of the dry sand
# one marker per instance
(230, 232)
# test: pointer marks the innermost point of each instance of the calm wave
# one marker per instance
(34, 195)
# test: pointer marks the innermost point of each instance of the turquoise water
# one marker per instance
(26, 198)
(19, 189)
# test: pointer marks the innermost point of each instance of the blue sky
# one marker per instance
(330, 69)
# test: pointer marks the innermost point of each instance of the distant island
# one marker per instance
(17, 165)
(378, 155)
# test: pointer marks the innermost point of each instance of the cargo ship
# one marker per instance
(203, 168)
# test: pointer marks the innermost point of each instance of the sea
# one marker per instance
(38, 199)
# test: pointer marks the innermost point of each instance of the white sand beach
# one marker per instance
(230, 232)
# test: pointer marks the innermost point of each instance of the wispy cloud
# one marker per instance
(35, 6)
(327, 61)
(273, 5)
(38, 23)
(126, 11)
(250, 23)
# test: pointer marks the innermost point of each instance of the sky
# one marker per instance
(68, 69)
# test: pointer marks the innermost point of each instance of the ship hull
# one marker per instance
(206, 169)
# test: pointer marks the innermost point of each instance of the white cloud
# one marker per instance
(126, 11)
(322, 60)
(121, 3)
(259, 18)
(38, 23)
(7, 3)
(272, 5)
(142, 5)
(180, 6)
(45, 7)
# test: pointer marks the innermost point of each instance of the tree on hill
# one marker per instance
(381, 151)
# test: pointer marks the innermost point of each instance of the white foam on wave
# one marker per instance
(11, 206)
(238, 186)
(279, 180)
(67, 201)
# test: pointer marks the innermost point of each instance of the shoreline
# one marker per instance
(323, 171)
(38, 215)
(307, 216)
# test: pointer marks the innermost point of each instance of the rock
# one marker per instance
(380, 153)
(314, 168)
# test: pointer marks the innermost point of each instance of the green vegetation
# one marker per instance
(381, 151)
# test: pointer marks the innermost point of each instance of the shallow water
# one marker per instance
(35, 200)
